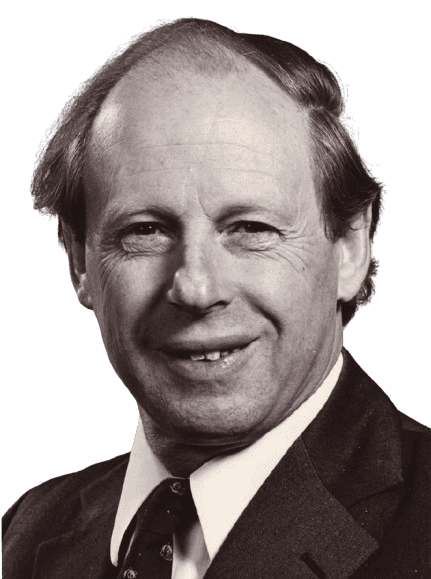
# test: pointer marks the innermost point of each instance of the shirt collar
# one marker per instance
(223, 486)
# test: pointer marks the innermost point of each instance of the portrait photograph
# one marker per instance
(217, 246)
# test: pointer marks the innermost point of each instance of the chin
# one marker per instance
(213, 426)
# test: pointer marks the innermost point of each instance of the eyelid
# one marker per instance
(165, 228)
(130, 220)
(143, 224)
(264, 225)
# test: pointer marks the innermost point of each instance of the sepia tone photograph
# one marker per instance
(215, 291)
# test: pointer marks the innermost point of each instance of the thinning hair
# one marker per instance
(344, 186)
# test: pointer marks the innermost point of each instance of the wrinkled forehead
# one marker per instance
(161, 104)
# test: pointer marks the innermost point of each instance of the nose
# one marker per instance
(200, 284)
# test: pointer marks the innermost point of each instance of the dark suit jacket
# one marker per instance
(351, 498)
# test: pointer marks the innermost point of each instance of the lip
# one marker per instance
(183, 348)
(176, 357)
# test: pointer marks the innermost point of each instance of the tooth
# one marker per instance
(196, 357)
(212, 355)
(224, 353)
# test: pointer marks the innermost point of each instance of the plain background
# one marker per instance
(63, 406)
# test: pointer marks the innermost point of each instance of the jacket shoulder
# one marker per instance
(416, 451)
(49, 507)
(410, 425)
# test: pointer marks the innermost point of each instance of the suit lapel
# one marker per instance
(293, 527)
(83, 551)
(355, 441)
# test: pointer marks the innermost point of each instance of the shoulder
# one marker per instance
(360, 442)
(377, 462)
(413, 438)
(411, 426)
(361, 391)
(48, 508)
(405, 545)
(416, 458)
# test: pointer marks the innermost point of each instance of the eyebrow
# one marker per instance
(241, 208)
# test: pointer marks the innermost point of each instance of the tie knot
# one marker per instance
(168, 506)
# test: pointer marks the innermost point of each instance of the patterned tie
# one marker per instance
(169, 508)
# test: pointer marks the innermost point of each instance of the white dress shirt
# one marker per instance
(221, 488)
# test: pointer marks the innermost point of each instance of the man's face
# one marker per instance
(208, 269)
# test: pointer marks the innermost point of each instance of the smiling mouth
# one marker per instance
(202, 355)
(210, 356)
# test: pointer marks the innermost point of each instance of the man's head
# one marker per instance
(227, 215)
(344, 187)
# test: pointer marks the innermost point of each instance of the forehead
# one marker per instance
(162, 120)
(159, 105)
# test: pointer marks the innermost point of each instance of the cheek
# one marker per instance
(298, 295)
(122, 291)
(296, 286)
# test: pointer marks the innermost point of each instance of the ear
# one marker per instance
(354, 258)
(77, 267)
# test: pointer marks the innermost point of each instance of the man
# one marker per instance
(218, 220)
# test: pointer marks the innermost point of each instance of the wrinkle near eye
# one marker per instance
(108, 267)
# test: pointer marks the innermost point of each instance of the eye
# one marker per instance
(252, 227)
(148, 228)
(253, 235)
(147, 237)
